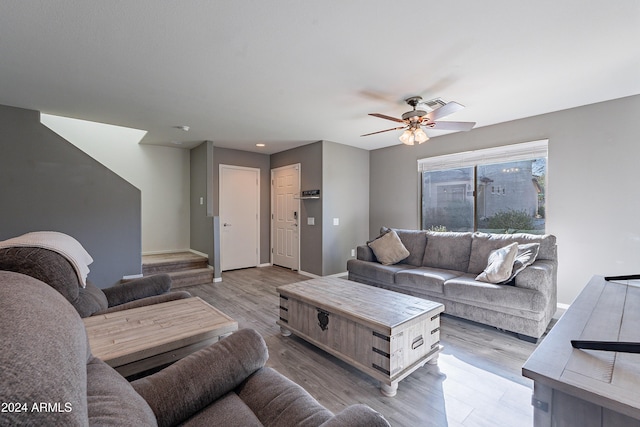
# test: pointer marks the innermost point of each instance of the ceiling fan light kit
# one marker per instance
(411, 136)
(414, 120)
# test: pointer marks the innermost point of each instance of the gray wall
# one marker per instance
(310, 158)
(341, 173)
(345, 181)
(205, 164)
(593, 201)
(201, 225)
(225, 156)
(49, 184)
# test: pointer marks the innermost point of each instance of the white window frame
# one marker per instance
(502, 154)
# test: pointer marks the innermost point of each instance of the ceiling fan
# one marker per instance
(413, 121)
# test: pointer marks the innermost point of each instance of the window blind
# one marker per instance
(513, 152)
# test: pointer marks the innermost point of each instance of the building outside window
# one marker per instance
(498, 190)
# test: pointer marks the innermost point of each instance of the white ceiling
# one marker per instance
(290, 72)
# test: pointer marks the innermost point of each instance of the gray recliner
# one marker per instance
(56, 271)
(51, 378)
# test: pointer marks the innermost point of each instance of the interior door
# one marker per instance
(285, 213)
(239, 217)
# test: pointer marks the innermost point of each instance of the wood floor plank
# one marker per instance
(477, 381)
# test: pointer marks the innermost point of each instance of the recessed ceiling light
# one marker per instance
(260, 145)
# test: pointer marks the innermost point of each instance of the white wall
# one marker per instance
(593, 200)
(161, 174)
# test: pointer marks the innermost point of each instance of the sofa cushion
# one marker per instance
(278, 401)
(45, 265)
(374, 271)
(466, 288)
(482, 245)
(448, 250)
(112, 401)
(415, 241)
(90, 300)
(388, 248)
(425, 278)
(499, 265)
(228, 411)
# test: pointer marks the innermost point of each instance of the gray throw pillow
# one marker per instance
(499, 265)
(388, 248)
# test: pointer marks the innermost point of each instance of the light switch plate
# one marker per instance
(311, 220)
(336, 221)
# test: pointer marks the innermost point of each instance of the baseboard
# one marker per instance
(343, 274)
(315, 276)
(304, 273)
(198, 253)
(132, 276)
(266, 264)
(560, 310)
(217, 279)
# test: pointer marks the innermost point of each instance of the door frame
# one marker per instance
(298, 167)
(257, 201)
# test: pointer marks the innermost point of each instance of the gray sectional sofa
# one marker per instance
(443, 267)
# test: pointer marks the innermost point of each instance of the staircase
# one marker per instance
(185, 268)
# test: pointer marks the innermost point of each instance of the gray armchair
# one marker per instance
(46, 359)
(56, 271)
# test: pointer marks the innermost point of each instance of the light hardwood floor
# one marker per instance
(477, 381)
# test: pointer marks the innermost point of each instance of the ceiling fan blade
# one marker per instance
(449, 108)
(382, 116)
(460, 126)
(386, 130)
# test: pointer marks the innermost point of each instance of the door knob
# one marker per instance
(226, 225)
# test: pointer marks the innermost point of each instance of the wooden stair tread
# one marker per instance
(171, 257)
(191, 272)
(185, 268)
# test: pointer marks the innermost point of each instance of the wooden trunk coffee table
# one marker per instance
(135, 340)
(385, 334)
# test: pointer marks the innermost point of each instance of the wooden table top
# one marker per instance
(362, 303)
(130, 335)
(604, 311)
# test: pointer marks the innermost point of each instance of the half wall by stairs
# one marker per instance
(185, 268)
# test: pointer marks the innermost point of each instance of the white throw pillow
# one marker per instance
(499, 264)
(388, 248)
(526, 255)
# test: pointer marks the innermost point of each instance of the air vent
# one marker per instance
(434, 103)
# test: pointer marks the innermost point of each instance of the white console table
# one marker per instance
(588, 388)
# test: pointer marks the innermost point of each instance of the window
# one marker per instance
(447, 200)
(498, 190)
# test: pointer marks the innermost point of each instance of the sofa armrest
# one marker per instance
(181, 390)
(364, 253)
(169, 296)
(539, 276)
(277, 401)
(357, 416)
(139, 288)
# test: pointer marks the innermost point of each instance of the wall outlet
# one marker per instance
(202, 200)
(311, 220)
(336, 221)
(353, 252)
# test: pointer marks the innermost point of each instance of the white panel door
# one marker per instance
(285, 212)
(239, 217)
